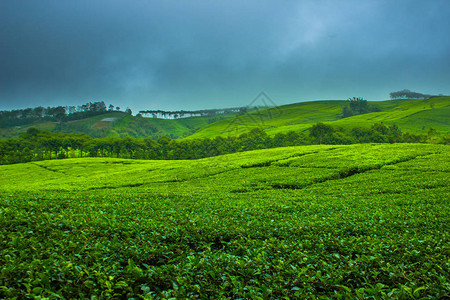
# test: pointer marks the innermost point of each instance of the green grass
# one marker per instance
(413, 116)
(350, 222)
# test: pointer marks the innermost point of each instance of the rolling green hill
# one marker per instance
(414, 116)
(153, 127)
(119, 124)
(93, 126)
(364, 221)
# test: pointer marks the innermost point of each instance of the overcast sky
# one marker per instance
(209, 54)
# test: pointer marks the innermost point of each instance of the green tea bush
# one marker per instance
(310, 222)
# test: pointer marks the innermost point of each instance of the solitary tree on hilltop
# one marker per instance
(357, 106)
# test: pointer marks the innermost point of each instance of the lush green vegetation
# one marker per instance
(357, 106)
(140, 127)
(39, 114)
(413, 116)
(96, 120)
(120, 124)
(37, 145)
(204, 217)
(360, 221)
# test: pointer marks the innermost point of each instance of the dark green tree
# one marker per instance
(381, 128)
(395, 134)
(320, 133)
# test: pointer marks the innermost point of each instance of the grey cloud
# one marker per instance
(195, 54)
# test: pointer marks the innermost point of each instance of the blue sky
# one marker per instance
(209, 54)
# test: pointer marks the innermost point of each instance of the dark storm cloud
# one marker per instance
(195, 54)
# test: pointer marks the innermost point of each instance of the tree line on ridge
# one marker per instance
(35, 145)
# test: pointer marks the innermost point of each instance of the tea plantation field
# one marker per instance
(413, 116)
(365, 221)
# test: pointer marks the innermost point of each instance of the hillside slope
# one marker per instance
(349, 222)
(154, 127)
(414, 116)
(120, 124)
(101, 173)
